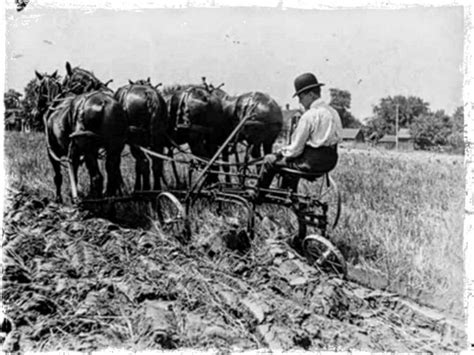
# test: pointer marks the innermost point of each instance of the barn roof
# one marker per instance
(350, 133)
(388, 138)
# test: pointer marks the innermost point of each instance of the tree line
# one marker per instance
(431, 130)
(23, 106)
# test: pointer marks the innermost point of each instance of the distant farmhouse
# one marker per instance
(405, 140)
(14, 121)
(352, 136)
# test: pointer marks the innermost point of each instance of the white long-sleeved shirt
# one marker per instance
(319, 126)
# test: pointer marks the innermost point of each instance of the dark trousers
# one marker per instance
(312, 160)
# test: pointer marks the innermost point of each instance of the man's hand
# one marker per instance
(271, 159)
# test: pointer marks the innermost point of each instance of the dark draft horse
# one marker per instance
(263, 128)
(78, 125)
(196, 118)
(148, 124)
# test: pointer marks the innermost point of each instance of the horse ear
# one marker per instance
(39, 76)
(149, 80)
(130, 82)
(55, 74)
(68, 68)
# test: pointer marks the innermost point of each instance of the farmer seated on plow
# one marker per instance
(313, 147)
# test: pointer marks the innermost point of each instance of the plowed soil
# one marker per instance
(73, 281)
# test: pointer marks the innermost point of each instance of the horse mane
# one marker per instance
(85, 71)
(89, 74)
(172, 89)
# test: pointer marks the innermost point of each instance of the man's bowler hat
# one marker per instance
(305, 82)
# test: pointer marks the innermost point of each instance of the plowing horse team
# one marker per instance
(82, 115)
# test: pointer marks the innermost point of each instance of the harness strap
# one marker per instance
(182, 116)
(88, 134)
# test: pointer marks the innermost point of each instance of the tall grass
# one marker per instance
(403, 216)
(402, 213)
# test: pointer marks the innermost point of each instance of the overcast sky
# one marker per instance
(371, 53)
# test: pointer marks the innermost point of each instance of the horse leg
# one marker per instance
(267, 147)
(112, 166)
(146, 172)
(58, 178)
(73, 166)
(157, 168)
(138, 156)
(96, 179)
(256, 151)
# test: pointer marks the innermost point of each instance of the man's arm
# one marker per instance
(300, 137)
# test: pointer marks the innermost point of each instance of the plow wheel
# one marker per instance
(171, 216)
(321, 253)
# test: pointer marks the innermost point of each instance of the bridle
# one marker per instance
(53, 89)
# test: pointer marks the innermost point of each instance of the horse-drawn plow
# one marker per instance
(317, 206)
(83, 116)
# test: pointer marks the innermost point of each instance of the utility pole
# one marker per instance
(396, 126)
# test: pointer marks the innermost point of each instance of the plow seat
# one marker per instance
(310, 176)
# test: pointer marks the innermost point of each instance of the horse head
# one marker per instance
(49, 87)
(79, 81)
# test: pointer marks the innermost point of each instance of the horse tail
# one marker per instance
(81, 130)
(151, 105)
(152, 108)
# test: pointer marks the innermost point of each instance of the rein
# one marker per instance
(200, 159)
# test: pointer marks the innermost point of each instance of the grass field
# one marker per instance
(402, 214)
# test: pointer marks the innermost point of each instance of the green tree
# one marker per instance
(29, 104)
(13, 108)
(11, 99)
(431, 130)
(341, 102)
(374, 129)
(458, 119)
(408, 109)
(456, 137)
